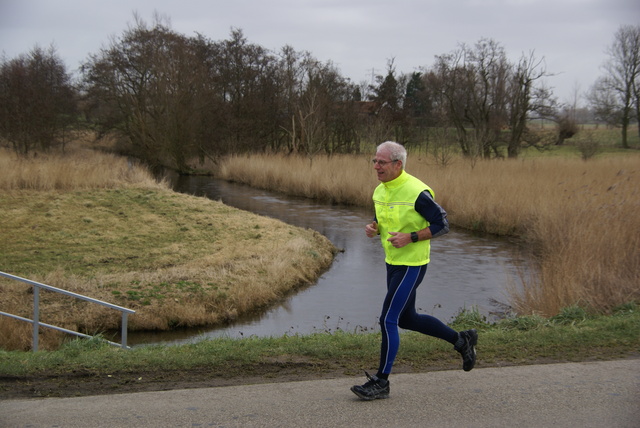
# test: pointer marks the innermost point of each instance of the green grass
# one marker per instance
(176, 259)
(101, 231)
(573, 335)
(570, 150)
(608, 142)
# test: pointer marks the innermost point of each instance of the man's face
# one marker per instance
(386, 169)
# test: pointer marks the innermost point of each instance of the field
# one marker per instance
(100, 225)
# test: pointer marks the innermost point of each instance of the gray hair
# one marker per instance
(396, 150)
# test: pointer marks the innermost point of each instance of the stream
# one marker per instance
(466, 271)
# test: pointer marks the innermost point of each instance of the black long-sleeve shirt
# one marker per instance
(433, 213)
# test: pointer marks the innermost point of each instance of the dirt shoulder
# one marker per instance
(79, 383)
(84, 383)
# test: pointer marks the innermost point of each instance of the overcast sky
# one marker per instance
(358, 36)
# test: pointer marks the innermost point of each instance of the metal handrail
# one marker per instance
(36, 311)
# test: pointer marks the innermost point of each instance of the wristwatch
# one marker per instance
(414, 237)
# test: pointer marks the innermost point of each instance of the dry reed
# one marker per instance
(580, 218)
(82, 169)
(342, 179)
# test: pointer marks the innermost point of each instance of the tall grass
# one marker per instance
(342, 179)
(580, 218)
(81, 169)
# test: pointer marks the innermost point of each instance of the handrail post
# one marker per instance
(123, 334)
(36, 311)
(36, 316)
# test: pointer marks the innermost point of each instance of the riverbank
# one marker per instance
(578, 217)
(177, 260)
(90, 367)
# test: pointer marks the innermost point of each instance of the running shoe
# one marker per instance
(373, 389)
(466, 345)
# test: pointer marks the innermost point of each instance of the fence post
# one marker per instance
(123, 334)
(36, 316)
(36, 311)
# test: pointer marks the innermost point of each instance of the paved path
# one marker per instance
(596, 394)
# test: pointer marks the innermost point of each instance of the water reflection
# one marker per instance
(465, 270)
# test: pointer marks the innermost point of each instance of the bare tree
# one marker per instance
(149, 88)
(487, 99)
(322, 95)
(622, 78)
(246, 77)
(290, 75)
(318, 105)
(475, 86)
(524, 98)
(37, 101)
(313, 135)
(604, 102)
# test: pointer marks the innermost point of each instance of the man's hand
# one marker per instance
(399, 239)
(371, 229)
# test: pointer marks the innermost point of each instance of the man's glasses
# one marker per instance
(381, 162)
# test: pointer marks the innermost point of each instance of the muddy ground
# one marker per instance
(89, 383)
(81, 384)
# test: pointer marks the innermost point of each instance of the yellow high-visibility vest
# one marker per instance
(394, 203)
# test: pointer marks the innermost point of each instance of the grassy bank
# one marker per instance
(91, 367)
(99, 226)
(580, 218)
